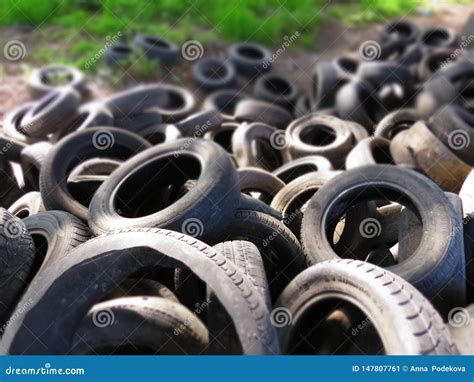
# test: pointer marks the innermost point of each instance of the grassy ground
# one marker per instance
(86, 23)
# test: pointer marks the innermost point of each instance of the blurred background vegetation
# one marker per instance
(84, 24)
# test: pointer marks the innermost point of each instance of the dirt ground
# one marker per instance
(334, 39)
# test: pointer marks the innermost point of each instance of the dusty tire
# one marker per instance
(414, 326)
(115, 257)
(280, 249)
(29, 204)
(55, 233)
(76, 148)
(203, 211)
(246, 258)
(257, 180)
(250, 110)
(214, 74)
(298, 167)
(39, 84)
(140, 325)
(374, 150)
(441, 274)
(17, 252)
(317, 134)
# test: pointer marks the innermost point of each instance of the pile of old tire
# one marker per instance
(334, 222)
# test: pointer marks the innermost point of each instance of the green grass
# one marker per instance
(86, 23)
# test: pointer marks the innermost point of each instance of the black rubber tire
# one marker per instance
(39, 84)
(292, 199)
(207, 207)
(397, 121)
(140, 325)
(301, 166)
(347, 66)
(435, 159)
(250, 59)
(137, 122)
(317, 134)
(197, 124)
(400, 30)
(374, 150)
(253, 179)
(88, 115)
(276, 89)
(437, 266)
(454, 126)
(437, 37)
(356, 101)
(29, 204)
(77, 148)
(246, 257)
(11, 148)
(137, 99)
(211, 74)
(269, 155)
(157, 48)
(401, 153)
(248, 203)
(55, 234)
(224, 101)
(118, 54)
(326, 81)
(94, 167)
(162, 133)
(180, 103)
(250, 110)
(302, 106)
(100, 264)
(17, 252)
(280, 249)
(223, 136)
(9, 188)
(414, 327)
(50, 113)
(141, 287)
(433, 60)
(12, 127)
(32, 158)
